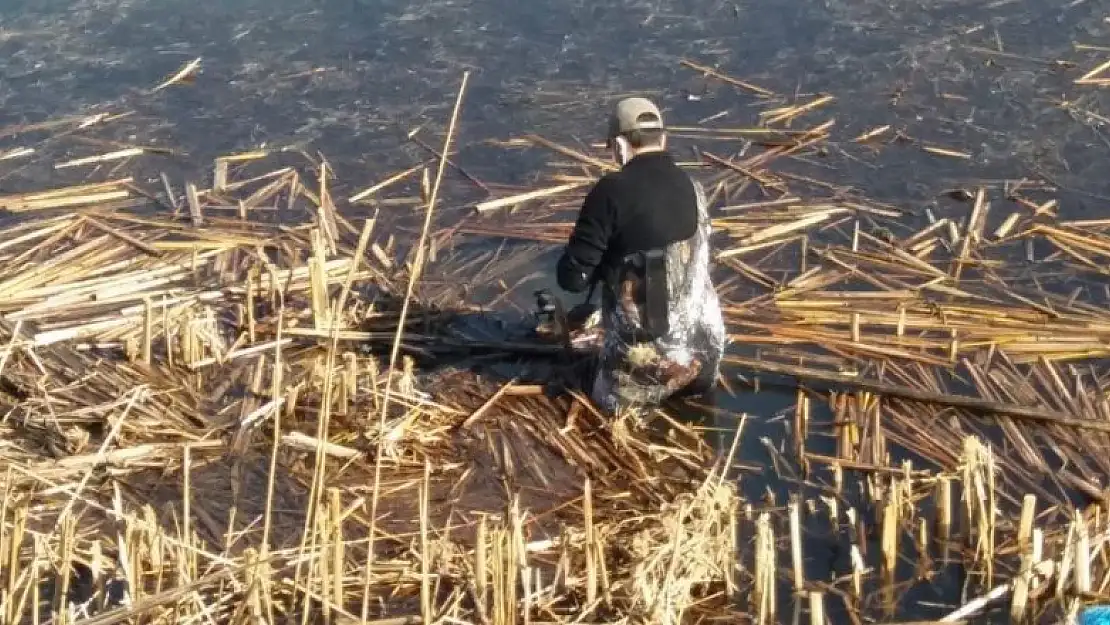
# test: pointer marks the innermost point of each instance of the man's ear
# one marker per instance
(624, 150)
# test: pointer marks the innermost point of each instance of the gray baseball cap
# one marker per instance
(626, 117)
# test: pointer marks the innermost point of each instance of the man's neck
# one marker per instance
(645, 152)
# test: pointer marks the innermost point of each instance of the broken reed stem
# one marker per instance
(588, 523)
(991, 515)
(338, 549)
(186, 503)
(796, 546)
(1082, 555)
(361, 195)
(763, 591)
(148, 330)
(519, 555)
(426, 607)
(816, 608)
(181, 74)
(66, 546)
(324, 421)
(1026, 580)
(415, 271)
(801, 429)
(196, 213)
(275, 391)
(943, 529)
(980, 506)
(9, 350)
(891, 519)
(401, 327)
(977, 605)
(481, 559)
(489, 205)
(1025, 522)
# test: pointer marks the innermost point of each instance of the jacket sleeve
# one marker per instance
(577, 268)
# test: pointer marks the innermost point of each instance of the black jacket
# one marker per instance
(648, 204)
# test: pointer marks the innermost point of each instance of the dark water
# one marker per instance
(386, 66)
(352, 77)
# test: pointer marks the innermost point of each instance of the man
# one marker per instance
(643, 236)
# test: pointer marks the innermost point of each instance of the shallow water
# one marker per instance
(352, 77)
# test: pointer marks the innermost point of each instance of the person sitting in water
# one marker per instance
(643, 236)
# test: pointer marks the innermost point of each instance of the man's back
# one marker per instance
(643, 236)
(646, 205)
(650, 205)
(655, 204)
(686, 355)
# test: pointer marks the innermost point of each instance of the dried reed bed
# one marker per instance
(208, 348)
(961, 350)
(201, 425)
